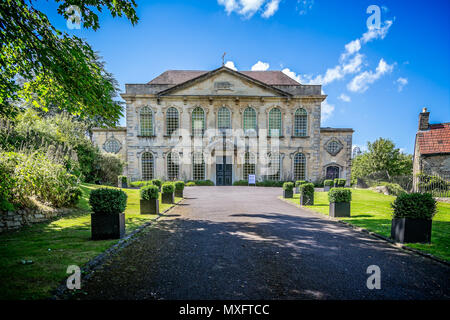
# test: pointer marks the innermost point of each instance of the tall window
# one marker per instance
(299, 166)
(147, 166)
(249, 164)
(300, 123)
(173, 165)
(198, 122)
(274, 166)
(172, 120)
(249, 120)
(275, 122)
(146, 121)
(223, 119)
(198, 166)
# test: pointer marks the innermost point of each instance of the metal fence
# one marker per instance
(436, 184)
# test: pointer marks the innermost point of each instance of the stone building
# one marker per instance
(223, 125)
(432, 148)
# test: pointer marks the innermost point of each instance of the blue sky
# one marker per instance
(376, 83)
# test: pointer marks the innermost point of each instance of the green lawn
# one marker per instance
(371, 210)
(54, 245)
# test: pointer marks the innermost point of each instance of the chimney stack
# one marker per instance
(424, 117)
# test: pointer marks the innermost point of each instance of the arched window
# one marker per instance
(299, 167)
(146, 121)
(173, 165)
(249, 164)
(274, 122)
(172, 120)
(198, 122)
(147, 166)
(300, 123)
(274, 166)
(198, 166)
(249, 121)
(112, 145)
(223, 119)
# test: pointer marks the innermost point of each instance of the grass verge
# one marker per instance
(372, 211)
(54, 245)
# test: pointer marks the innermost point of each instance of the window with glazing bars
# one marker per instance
(223, 119)
(334, 147)
(198, 122)
(249, 120)
(249, 164)
(146, 121)
(147, 166)
(198, 166)
(273, 172)
(300, 123)
(275, 122)
(172, 120)
(299, 167)
(173, 165)
(112, 146)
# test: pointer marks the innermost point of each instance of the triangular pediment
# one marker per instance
(223, 82)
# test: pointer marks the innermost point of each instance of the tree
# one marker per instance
(57, 69)
(382, 157)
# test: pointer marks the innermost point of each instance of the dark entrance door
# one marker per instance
(332, 173)
(224, 172)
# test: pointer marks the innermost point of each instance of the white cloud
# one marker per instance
(271, 8)
(361, 82)
(230, 64)
(230, 5)
(260, 66)
(303, 79)
(344, 97)
(327, 110)
(401, 82)
(377, 33)
(303, 6)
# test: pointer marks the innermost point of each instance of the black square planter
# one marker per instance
(107, 226)
(339, 209)
(288, 193)
(168, 197)
(149, 206)
(179, 193)
(124, 185)
(306, 200)
(406, 230)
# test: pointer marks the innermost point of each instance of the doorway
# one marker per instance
(224, 171)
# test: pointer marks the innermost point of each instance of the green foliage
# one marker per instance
(414, 206)
(300, 182)
(149, 192)
(393, 188)
(328, 183)
(204, 183)
(108, 201)
(340, 195)
(157, 182)
(435, 185)
(190, 184)
(288, 186)
(107, 168)
(123, 179)
(139, 184)
(179, 185)
(340, 183)
(306, 189)
(168, 187)
(240, 183)
(269, 183)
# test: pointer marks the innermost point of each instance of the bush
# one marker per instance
(123, 179)
(108, 201)
(414, 206)
(306, 189)
(340, 183)
(393, 188)
(339, 195)
(240, 183)
(204, 183)
(190, 184)
(149, 192)
(139, 184)
(157, 182)
(300, 182)
(107, 168)
(7, 184)
(288, 186)
(328, 183)
(269, 183)
(168, 187)
(179, 185)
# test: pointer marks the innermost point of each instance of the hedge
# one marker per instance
(149, 192)
(306, 189)
(288, 186)
(414, 206)
(168, 187)
(340, 182)
(339, 195)
(328, 183)
(108, 201)
(179, 185)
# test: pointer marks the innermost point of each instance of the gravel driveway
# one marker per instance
(244, 243)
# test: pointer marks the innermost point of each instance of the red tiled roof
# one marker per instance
(174, 77)
(435, 140)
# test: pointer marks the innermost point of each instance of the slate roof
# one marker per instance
(174, 77)
(434, 140)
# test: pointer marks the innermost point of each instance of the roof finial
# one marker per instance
(223, 58)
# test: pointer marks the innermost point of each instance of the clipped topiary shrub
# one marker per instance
(190, 184)
(328, 183)
(149, 192)
(414, 206)
(123, 179)
(240, 183)
(204, 183)
(157, 182)
(168, 187)
(337, 195)
(340, 183)
(299, 182)
(179, 185)
(306, 194)
(288, 186)
(108, 201)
